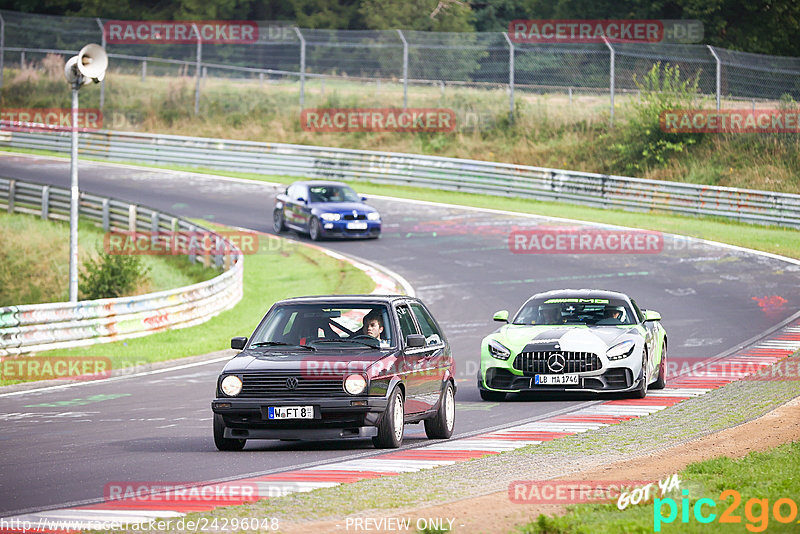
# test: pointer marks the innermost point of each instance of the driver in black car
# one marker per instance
(373, 325)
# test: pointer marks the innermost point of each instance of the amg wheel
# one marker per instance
(390, 430)
(641, 391)
(441, 426)
(661, 382)
(223, 443)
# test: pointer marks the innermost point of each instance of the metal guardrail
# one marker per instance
(39, 327)
(500, 179)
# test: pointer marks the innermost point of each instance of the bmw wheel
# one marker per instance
(277, 221)
(314, 229)
(390, 430)
(441, 426)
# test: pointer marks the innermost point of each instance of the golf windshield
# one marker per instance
(340, 325)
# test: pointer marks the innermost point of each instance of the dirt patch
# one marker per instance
(495, 514)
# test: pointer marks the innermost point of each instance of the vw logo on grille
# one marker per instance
(556, 362)
(292, 382)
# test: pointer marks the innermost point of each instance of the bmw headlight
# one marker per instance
(231, 385)
(620, 350)
(355, 384)
(374, 216)
(330, 217)
(498, 351)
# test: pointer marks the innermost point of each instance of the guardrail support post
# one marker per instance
(132, 218)
(106, 215)
(2, 48)
(103, 81)
(510, 77)
(45, 202)
(611, 81)
(144, 70)
(405, 68)
(302, 67)
(719, 73)
(12, 189)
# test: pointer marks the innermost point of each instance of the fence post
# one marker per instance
(106, 215)
(611, 81)
(405, 68)
(719, 73)
(144, 69)
(2, 48)
(302, 67)
(103, 81)
(45, 202)
(132, 218)
(12, 189)
(510, 77)
(197, 72)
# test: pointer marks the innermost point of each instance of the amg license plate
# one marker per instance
(557, 380)
(357, 226)
(290, 412)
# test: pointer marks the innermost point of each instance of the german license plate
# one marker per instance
(290, 412)
(357, 225)
(557, 380)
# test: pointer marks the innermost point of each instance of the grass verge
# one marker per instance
(34, 261)
(758, 481)
(272, 274)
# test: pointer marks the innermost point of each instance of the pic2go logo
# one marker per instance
(756, 511)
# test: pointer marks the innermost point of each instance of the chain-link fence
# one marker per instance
(408, 68)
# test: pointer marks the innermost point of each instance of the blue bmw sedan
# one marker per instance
(325, 209)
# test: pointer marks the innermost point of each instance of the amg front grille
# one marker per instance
(548, 362)
(267, 384)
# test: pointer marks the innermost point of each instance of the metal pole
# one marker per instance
(719, 73)
(103, 82)
(197, 70)
(74, 198)
(2, 47)
(510, 77)
(144, 70)
(405, 69)
(611, 83)
(302, 67)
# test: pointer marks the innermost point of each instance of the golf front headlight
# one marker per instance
(620, 350)
(355, 384)
(231, 385)
(330, 217)
(496, 350)
(374, 216)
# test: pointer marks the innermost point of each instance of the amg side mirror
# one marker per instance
(651, 315)
(501, 316)
(238, 343)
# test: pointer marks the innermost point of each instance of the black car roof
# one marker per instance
(346, 298)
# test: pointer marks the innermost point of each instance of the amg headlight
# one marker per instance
(330, 217)
(620, 350)
(231, 385)
(355, 384)
(374, 216)
(498, 351)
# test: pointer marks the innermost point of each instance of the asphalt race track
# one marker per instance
(62, 446)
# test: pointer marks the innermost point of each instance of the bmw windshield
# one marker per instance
(332, 193)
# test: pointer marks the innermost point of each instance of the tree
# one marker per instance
(420, 15)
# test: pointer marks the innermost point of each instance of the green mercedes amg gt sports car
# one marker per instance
(574, 341)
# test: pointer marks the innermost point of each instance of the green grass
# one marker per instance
(270, 275)
(34, 261)
(770, 475)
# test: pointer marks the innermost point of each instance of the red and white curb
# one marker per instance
(137, 511)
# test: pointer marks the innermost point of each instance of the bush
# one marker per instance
(643, 143)
(111, 275)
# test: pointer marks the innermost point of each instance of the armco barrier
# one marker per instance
(502, 179)
(39, 327)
